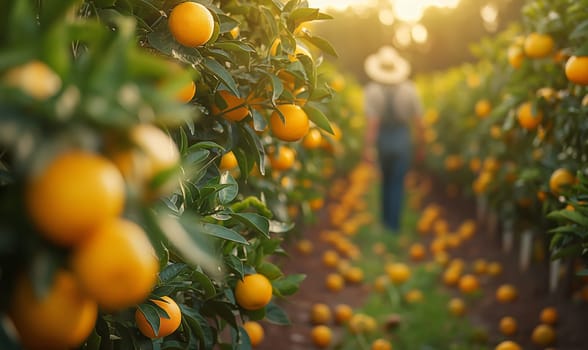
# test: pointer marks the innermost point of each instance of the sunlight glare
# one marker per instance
(419, 34)
(386, 17)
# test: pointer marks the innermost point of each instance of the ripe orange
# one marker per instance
(468, 284)
(398, 273)
(283, 158)
(334, 282)
(321, 336)
(381, 283)
(577, 70)
(316, 203)
(116, 264)
(62, 318)
(74, 193)
(191, 24)
(353, 274)
(508, 345)
(330, 258)
(549, 315)
(538, 45)
(313, 139)
(515, 56)
(526, 118)
(235, 107)
(228, 161)
(559, 179)
(254, 331)
(304, 246)
(320, 313)
(414, 296)
(167, 325)
(253, 292)
(451, 276)
(543, 335)
(35, 78)
(155, 152)
(494, 268)
(508, 325)
(381, 344)
(456, 306)
(483, 108)
(343, 313)
(186, 94)
(506, 293)
(295, 125)
(417, 252)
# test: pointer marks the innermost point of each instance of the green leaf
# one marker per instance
(222, 73)
(276, 315)
(199, 325)
(235, 265)
(288, 285)
(222, 232)
(151, 313)
(318, 117)
(172, 271)
(269, 270)
(205, 283)
(580, 31)
(258, 223)
(322, 44)
(567, 215)
(582, 50)
(230, 192)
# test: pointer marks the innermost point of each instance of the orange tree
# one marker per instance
(513, 123)
(114, 203)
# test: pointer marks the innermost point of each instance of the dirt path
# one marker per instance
(484, 311)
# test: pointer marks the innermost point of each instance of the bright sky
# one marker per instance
(405, 10)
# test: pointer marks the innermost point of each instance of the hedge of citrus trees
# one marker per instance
(511, 127)
(153, 155)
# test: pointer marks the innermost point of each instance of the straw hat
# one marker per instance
(386, 66)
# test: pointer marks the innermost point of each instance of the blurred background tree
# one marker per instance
(432, 38)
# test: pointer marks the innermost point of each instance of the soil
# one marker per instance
(485, 312)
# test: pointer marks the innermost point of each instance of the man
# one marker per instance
(391, 106)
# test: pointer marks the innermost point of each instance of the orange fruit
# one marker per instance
(283, 158)
(469, 284)
(538, 45)
(116, 265)
(330, 258)
(62, 318)
(155, 152)
(483, 108)
(398, 273)
(417, 252)
(228, 161)
(456, 306)
(254, 332)
(507, 325)
(526, 118)
(381, 283)
(549, 315)
(343, 313)
(353, 275)
(235, 32)
(294, 126)
(494, 268)
(560, 178)
(313, 139)
(506, 293)
(451, 276)
(187, 92)
(73, 194)
(304, 246)
(235, 107)
(508, 345)
(515, 56)
(253, 292)
(321, 336)
(320, 313)
(316, 203)
(543, 335)
(414, 296)
(334, 282)
(191, 24)
(381, 344)
(577, 70)
(167, 325)
(35, 78)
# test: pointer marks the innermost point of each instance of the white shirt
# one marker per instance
(406, 101)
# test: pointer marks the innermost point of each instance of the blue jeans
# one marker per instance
(394, 164)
